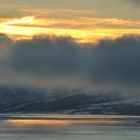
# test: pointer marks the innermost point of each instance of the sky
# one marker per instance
(79, 44)
(86, 21)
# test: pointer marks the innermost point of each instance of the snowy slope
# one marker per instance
(28, 100)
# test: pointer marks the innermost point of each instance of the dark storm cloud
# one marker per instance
(108, 61)
(45, 56)
(113, 65)
(4, 40)
(5, 43)
(116, 61)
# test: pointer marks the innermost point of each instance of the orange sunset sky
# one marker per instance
(84, 20)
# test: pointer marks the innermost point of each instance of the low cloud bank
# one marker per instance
(61, 62)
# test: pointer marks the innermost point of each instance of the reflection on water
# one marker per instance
(54, 120)
(69, 127)
(25, 122)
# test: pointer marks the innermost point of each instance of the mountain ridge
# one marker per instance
(33, 100)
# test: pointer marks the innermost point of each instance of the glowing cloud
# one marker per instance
(82, 29)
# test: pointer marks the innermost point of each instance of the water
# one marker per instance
(66, 127)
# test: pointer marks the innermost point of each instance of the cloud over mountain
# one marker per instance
(60, 61)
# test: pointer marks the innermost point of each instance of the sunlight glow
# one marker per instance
(32, 122)
(92, 30)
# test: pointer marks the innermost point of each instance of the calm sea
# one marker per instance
(69, 127)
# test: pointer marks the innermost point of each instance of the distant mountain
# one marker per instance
(30, 100)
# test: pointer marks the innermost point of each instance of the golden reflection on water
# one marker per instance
(32, 122)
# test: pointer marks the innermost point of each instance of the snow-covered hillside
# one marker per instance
(29, 100)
